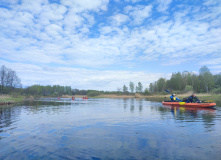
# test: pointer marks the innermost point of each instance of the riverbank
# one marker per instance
(9, 100)
(157, 96)
(166, 97)
(137, 95)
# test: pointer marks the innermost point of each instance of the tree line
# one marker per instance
(131, 89)
(186, 81)
(179, 82)
(10, 83)
(49, 91)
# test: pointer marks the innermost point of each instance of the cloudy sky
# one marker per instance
(104, 44)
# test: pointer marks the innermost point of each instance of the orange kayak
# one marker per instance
(189, 104)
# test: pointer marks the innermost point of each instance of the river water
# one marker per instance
(105, 128)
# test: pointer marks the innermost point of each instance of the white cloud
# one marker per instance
(11, 2)
(163, 5)
(35, 7)
(133, 1)
(75, 33)
(210, 2)
(64, 34)
(119, 19)
(82, 5)
(80, 78)
(139, 13)
(212, 61)
(106, 29)
(53, 30)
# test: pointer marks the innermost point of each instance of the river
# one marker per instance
(105, 128)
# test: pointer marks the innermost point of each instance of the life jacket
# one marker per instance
(194, 99)
(174, 98)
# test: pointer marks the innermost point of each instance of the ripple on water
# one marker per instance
(109, 129)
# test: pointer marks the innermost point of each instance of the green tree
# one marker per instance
(161, 84)
(176, 81)
(131, 87)
(146, 91)
(55, 94)
(139, 88)
(207, 78)
(186, 78)
(217, 80)
(151, 87)
(125, 89)
(188, 88)
(93, 93)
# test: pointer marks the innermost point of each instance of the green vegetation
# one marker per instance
(48, 91)
(10, 99)
(93, 93)
(186, 81)
(180, 83)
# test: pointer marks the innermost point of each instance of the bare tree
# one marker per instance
(3, 75)
(9, 79)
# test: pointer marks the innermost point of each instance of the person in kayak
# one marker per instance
(174, 98)
(193, 99)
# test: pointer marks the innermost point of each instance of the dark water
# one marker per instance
(108, 129)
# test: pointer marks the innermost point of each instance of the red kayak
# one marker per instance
(196, 105)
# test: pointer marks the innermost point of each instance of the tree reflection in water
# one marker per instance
(190, 114)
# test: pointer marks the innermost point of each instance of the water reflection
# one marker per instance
(190, 114)
(8, 116)
(133, 103)
(190, 111)
(108, 129)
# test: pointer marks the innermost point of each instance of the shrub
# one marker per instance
(55, 94)
(15, 95)
(216, 90)
(188, 88)
(93, 93)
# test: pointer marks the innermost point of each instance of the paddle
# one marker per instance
(167, 91)
(209, 101)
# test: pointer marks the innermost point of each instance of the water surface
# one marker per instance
(108, 129)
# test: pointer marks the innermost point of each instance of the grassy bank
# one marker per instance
(202, 97)
(156, 96)
(7, 99)
(100, 96)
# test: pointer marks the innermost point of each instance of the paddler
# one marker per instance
(193, 99)
(174, 98)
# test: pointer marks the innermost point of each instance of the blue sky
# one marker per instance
(104, 44)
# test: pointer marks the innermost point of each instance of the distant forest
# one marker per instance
(179, 82)
(186, 81)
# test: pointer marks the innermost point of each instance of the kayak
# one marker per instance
(205, 105)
